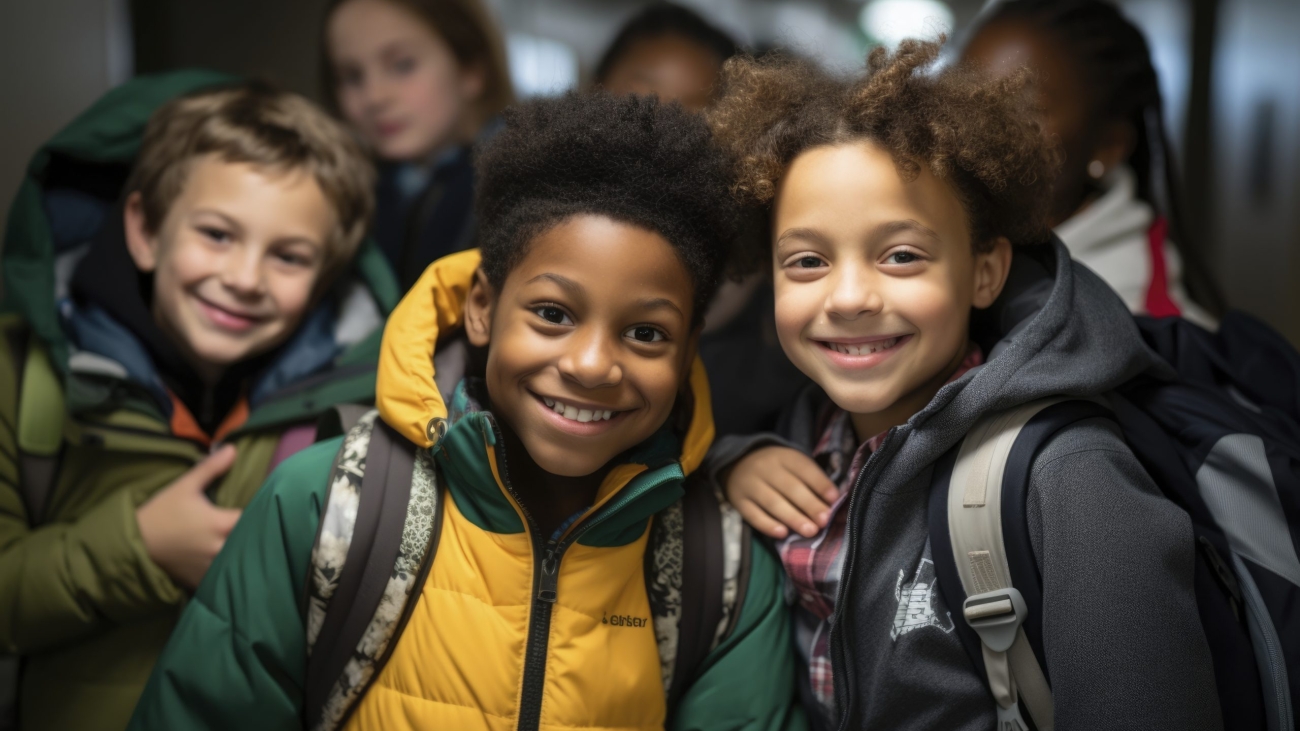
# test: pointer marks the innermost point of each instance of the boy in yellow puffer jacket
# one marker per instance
(604, 223)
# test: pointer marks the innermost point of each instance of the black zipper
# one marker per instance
(546, 576)
(840, 667)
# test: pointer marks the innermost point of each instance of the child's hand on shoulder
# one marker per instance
(779, 489)
(182, 530)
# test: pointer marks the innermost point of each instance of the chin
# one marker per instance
(563, 462)
(853, 400)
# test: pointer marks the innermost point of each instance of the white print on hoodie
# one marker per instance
(918, 604)
(1110, 238)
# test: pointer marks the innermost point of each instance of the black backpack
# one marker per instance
(1222, 442)
(694, 603)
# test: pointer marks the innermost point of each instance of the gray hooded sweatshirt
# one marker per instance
(1123, 641)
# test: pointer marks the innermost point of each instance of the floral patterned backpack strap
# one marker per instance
(377, 537)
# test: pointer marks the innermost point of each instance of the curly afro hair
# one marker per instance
(976, 133)
(632, 159)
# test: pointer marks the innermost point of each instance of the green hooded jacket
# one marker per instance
(83, 604)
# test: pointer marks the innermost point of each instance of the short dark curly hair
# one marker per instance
(978, 134)
(633, 159)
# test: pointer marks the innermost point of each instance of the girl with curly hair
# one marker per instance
(917, 283)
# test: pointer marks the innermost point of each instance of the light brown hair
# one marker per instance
(468, 29)
(976, 133)
(254, 124)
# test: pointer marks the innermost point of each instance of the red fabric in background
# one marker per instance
(1159, 303)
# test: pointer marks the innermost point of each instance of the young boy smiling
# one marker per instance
(603, 227)
(918, 285)
(201, 298)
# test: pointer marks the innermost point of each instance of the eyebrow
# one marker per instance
(660, 303)
(910, 224)
(802, 233)
(239, 229)
(575, 289)
(565, 283)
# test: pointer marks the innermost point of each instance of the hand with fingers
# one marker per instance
(182, 530)
(779, 489)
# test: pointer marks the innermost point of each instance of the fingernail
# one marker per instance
(823, 517)
(809, 530)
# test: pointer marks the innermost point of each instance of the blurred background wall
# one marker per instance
(1229, 72)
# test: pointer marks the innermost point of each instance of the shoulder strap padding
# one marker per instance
(988, 550)
(713, 584)
(40, 420)
(386, 551)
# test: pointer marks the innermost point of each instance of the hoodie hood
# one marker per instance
(67, 214)
(406, 393)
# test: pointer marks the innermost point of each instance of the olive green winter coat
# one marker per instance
(80, 600)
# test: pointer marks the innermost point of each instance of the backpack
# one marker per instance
(379, 534)
(1222, 442)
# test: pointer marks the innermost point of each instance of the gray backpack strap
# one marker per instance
(993, 607)
(696, 603)
(378, 533)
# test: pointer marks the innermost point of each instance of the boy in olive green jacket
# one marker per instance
(168, 341)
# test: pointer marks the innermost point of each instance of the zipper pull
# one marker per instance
(550, 577)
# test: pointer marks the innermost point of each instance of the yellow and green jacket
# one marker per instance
(475, 650)
(81, 603)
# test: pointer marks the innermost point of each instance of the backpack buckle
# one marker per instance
(996, 616)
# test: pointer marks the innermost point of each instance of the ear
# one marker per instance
(140, 242)
(473, 80)
(478, 310)
(991, 269)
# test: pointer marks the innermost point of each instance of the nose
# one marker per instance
(242, 272)
(591, 360)
(853, 294)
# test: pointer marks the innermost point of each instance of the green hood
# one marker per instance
(69, 189)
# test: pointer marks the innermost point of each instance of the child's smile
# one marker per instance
(862, 352)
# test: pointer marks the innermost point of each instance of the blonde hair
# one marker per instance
(267, 128)
(468, 29)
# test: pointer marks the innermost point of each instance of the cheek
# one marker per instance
(434, 92)
(797, 306)
(291, 294)
(351, 105)
(938, 306)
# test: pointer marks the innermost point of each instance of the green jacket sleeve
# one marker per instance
(63, 581)
(238, 657)
(748, 682)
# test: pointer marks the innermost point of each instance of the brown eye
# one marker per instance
(552, 314)
(646, 334)
(903, 257)
(808, 262)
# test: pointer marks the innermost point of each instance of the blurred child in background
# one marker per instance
(419, 81)
(671, 52)
(1116, 196)
(175, 332)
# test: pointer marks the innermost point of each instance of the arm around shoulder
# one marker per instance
(1122, 634)
(748, 682)
(237, 658)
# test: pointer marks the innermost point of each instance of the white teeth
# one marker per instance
(864, 348)
(582, 416)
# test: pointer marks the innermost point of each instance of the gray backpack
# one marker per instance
(379, 534)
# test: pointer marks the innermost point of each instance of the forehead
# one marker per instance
(669, 65)
(359, 26)
(289, 203)
(615, 263)
(846, 190)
